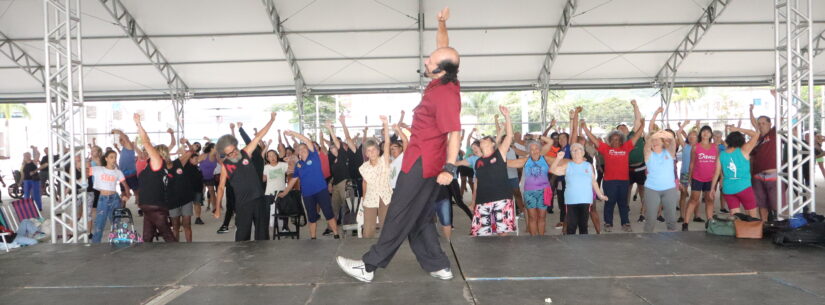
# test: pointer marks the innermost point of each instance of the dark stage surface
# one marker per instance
(661, 268)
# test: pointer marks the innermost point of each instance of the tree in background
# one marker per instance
(683, 98)
(326, 109)
(8, 110)
(482, 106)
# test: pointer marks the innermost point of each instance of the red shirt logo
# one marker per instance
(231, 168)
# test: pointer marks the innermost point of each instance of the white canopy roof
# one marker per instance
(228, 48)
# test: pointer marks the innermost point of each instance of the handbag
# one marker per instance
(748, 229)
(548, 197)
(290, 205)
(720, 226)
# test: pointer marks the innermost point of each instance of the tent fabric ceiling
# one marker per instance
(227, 47)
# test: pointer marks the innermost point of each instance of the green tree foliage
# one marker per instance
(8, 110)
(326, 109)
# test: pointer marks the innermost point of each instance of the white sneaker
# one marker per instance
(443, 274)
(356, 269)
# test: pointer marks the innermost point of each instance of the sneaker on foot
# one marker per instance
(608, 227)
(660, 219)
(724, 211)
(336, 236)
(140, 212)
(550, 211)
(327, 232)
(681, 219)
(627, 228)
(641, 218)
(684, 227)
(223, 229)
(443, 274)
(559, 225)
(698, 219)
(355, 269)
(199, 221)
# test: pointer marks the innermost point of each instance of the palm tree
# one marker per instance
(685, 97)
(482, 106)
(8, 109)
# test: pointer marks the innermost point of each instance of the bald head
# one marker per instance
(443, 64)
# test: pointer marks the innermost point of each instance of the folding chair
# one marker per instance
(8, 217)
(5, 224)
(25, 209)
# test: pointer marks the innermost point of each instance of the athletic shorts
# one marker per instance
(746, 198)
(492, 218)
(322, 199)
(198, 198)
(684, 180)
(466, 171)
(534, 199)
(699, 186)
(638, 174)
(184, 210)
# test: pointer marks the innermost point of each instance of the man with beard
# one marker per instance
(242, 175)
(429, 161)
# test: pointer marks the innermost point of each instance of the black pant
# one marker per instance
(455, 193)
(249, 213)
(558, 190)
(410, 216)
(156, 222)
(230, 206)
(577, 217)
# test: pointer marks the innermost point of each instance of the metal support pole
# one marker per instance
(317, 120)
(64, 97)
(794, 111)
(666, 77)
(421, 79)
(286, 47)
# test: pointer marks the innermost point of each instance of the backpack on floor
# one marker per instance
(291, 206)
(123, 228)
(721, 225)
(808, 234)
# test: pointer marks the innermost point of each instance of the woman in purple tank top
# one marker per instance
(207, 163)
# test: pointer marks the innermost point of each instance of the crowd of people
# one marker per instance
(508, 175)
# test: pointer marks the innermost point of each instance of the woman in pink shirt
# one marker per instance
(702, 167)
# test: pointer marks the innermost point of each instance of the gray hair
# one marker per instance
(616, 133)
(533, 142)
(717, 133)
(371, 143)
(225, 141)
(575, 146)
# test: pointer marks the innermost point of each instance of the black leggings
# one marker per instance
(230, 206)
(559, 193)
(577, 217)
(455, 193)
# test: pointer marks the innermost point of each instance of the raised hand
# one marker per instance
(169, 130)
(342, 119)
(633, 102)
(751, 107)
(136, 117)
(560, 155)
(272, 115)
(383, 119)
(240, 124)
(444, 14)
(660, 110)
(231, 125)
(579, 109)
(504, 111)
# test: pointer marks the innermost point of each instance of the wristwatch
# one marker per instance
(450, 169)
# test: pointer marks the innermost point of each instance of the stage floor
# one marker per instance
(660, 268)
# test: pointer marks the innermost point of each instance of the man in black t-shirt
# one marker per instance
(237, 169)
(339, 160)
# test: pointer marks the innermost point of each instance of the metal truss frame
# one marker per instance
(794, 119)
(178, 90)
(286, 47)
(22, 59)
(666, 77)
(552, 53)
(64, 97)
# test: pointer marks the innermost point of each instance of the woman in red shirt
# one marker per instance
(616, 171)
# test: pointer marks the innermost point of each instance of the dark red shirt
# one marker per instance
(438, 114)
(763, 156)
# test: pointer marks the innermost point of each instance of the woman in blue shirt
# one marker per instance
(313, 186)
(660, 187)
(580, 183)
